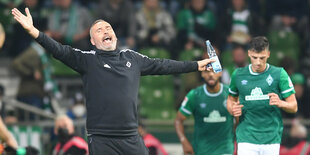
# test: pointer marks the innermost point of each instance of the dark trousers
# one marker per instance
(109, 145)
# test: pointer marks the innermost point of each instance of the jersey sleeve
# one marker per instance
(233, 90)
(286, 85)
(187, 106)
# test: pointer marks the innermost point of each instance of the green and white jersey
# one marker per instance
(213, 130)
(260, 123)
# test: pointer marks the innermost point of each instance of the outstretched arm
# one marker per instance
(26, 22)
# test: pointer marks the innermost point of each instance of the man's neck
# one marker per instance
(214, 89)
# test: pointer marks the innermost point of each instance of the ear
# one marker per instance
(268, 54)
(249, 53)
(92, 41)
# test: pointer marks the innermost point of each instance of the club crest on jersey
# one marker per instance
(128, 64)
(203, 105)
(214, 117)
(256, 94)
(269, 80)
(244, 82)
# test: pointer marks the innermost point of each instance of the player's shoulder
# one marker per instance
(196, 90)
(131, 52)
(275, 69)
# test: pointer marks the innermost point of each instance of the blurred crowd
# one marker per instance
(173, 25)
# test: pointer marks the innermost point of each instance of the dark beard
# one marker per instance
(212, 86)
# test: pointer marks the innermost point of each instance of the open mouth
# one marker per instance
(107, 39)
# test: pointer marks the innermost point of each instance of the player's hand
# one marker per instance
(274, 100)
(187, 147)
(237, 109)
(202, 64)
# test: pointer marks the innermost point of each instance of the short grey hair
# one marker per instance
(95, 22)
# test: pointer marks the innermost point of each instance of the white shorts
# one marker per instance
(258, 149)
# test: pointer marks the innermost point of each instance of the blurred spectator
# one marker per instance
(6, 18)
(239, 59)
(120, 14)
(299, 83)
(78, 109)
(30, 69)
(296, 143)
(195, 25)
(240, 23)
(289, 65)
(287, 18)
(297, 8)
(154, 25)
(69, 24)
(34, 70)
(153, 144)
(39, 15)
(68, 143)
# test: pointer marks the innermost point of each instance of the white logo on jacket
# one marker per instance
(106, 66)
(128, 64)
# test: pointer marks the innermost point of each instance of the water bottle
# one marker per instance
(216, 65)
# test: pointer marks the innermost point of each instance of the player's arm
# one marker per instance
(233, 106)
(179, 126)
(288, 105)
(6, 136)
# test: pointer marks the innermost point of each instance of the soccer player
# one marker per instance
(111, 80)
(263, 90)
(213, 131)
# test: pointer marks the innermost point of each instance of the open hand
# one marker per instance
(25, 21)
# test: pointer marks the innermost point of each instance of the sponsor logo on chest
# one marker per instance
(214, 117)
(256, 94)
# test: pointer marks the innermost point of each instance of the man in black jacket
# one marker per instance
(111, 81)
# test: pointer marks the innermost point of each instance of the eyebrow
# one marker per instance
(100, 28)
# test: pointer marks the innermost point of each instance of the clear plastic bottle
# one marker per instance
(212, 55)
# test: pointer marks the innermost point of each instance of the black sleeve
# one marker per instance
(75, 151)
(73, 58)
(155, 66)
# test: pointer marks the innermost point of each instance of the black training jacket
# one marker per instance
(111, 81)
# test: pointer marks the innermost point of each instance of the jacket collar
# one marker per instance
(107, 53)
